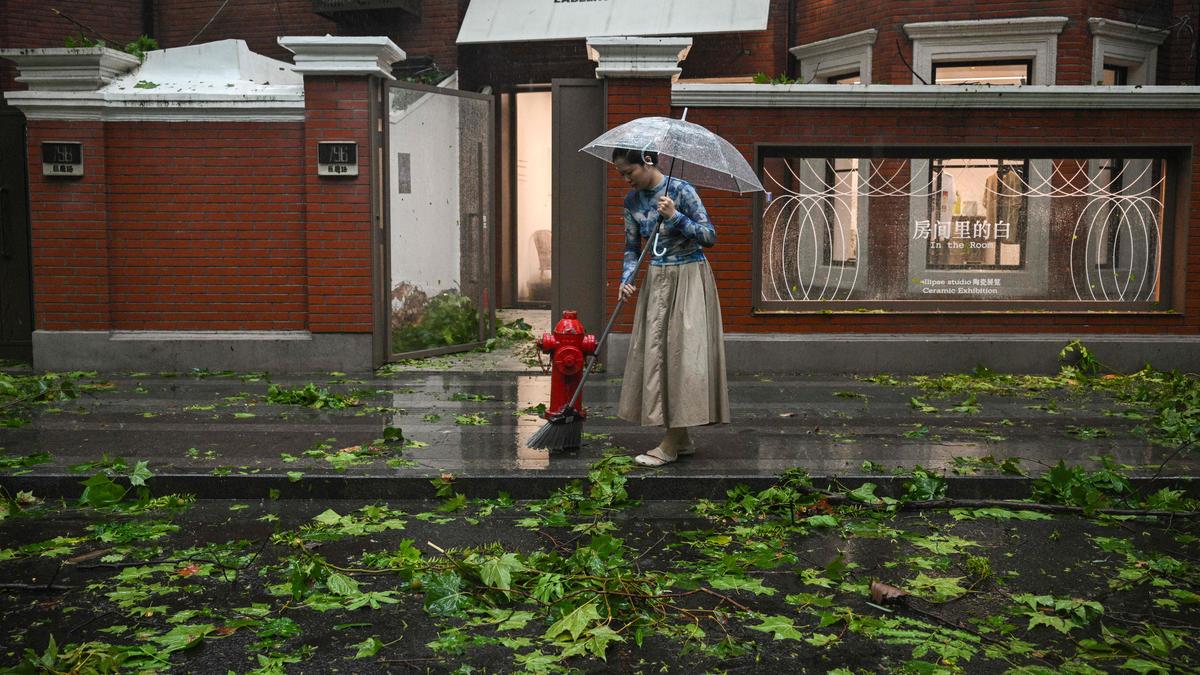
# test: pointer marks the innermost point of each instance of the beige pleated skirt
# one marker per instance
(675, 370)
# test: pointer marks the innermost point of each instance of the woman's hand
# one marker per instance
(666, 207)
(627, 291)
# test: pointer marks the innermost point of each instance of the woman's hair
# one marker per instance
(634, 156)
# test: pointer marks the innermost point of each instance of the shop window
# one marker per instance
(970, 231)
(977, 209)
(845, 59)
(1010, 73)
(841, 208)
(1124, 47)
(1033, 40)
(815, 210)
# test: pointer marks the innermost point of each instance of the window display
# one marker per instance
(973, 231)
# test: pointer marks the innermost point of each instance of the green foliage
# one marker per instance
(449, 319)
(924, 486)
(1061, 614)
(466, 396)
(22, 463)
(88, 657)
(781, 78)
(949, 645)
(1173, 398)
(1080, 360)
(330, 525)
(310, 396)
(1010, 466)
(921, 406)
(431, 76)
(79, 40)
(100, 491)
(20, 394)
(137, 48)
(979, 567)
(140, 46)
(1106, 487)
(514, 333)
(1087, 433)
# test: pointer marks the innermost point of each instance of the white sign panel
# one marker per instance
(527, 20)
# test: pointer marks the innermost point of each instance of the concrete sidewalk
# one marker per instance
(215, 436)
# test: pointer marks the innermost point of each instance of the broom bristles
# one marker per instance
(563, 431)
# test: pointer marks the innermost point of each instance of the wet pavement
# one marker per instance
(216, 436)
(222, 569)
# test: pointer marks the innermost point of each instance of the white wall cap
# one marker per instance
(215, 81)
(933, 96)
(985, 27)
(849, 41)
(338, 55)
(1128, 31)
(634, 56)
(221, 62)
(69, 68)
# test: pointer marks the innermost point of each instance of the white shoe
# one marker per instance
(654, 458)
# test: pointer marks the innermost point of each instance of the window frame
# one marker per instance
(1029, 38)
(1028, 63)
(1126, 45)
(836, 57)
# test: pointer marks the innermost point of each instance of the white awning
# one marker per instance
(526, 20)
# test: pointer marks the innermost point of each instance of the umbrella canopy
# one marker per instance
(685, 150)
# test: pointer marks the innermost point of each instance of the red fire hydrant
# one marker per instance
(569, 348)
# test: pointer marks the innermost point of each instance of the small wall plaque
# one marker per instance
(62, 158)
(403, 173)
(337, 158)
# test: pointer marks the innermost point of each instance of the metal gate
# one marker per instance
(437, 145)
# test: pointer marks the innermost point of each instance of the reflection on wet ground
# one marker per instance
(469, 424)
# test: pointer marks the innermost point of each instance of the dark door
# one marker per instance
(577, 204)
(16, 298)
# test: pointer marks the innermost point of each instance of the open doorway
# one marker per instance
(551, 241)
(528, 158)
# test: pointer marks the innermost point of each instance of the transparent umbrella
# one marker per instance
(685, 150)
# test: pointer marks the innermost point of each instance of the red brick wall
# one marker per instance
(739, 54)
(732, 257)
(338, 209)
(821, 19)
(206, 226)
(258, 22)
(70, 235)
(30, 23)
(627, 100)
(430, 35)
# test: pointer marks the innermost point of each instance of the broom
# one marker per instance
(564, 429)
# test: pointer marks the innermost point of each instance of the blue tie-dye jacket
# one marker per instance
(682, 236)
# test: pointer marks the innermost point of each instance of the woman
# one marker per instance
(675, 371)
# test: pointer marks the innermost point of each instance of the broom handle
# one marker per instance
(620, 303)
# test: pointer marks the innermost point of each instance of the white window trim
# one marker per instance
(1033, 38)
(836, 56)
(1128, 45)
